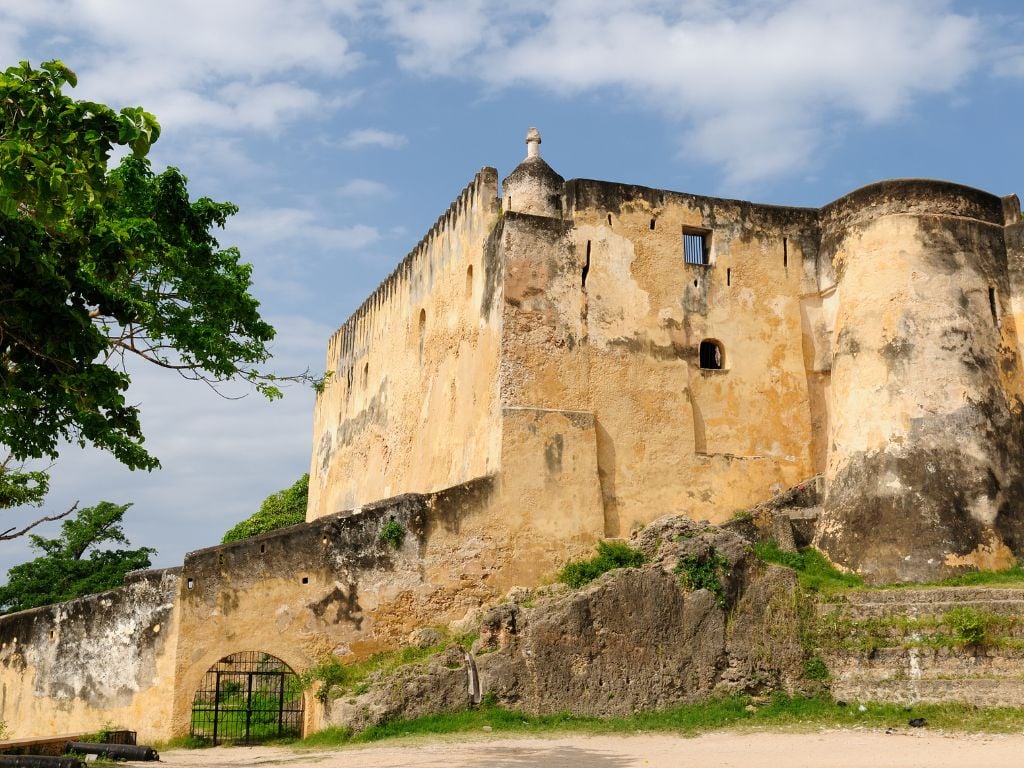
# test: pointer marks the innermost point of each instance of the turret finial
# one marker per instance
(532, 143)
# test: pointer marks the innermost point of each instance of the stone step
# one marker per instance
(928, 596)
(867, 611)
(980, 692)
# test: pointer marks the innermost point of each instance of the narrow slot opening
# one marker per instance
(785, 252)
(728, 276)
(609, 219)
(469, 281)
(263, 549)
(586, 266)
(652, 224)
(992, 305)
(190, 584)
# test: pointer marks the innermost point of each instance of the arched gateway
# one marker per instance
(247, 697)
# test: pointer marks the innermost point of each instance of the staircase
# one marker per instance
(926, 645)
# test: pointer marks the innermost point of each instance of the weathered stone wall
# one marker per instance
(926, 463)
(100, 660)
(672, 436)
(412, 405)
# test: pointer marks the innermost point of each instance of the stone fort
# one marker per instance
(560, 362)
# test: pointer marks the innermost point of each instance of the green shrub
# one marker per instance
(813, 569)
(705, 571)
(393, 533)
(610, 555)
(278, 510)
(969, 625)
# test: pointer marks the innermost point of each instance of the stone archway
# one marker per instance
(247, 697)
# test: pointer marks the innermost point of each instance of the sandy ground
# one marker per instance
(826, 749)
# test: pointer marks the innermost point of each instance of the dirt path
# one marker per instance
(827, 749)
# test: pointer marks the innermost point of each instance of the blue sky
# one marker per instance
(343, 128)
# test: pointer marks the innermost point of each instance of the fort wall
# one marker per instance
(108, 658)
(673, 436)
(412, 404)
(925, 467)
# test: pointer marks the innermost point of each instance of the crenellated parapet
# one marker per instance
(349, 341)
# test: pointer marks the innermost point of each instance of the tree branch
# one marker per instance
(10, 534)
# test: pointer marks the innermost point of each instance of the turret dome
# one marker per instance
(533, 187)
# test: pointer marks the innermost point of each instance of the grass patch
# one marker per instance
(1013, 576)
(691, 719)
(335, 679)
(815, 572)
(610, 555)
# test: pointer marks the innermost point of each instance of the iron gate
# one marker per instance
(247, 697)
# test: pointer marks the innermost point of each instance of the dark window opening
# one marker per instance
(785, 252)
(711, 356)
(263, 549)
(728, 277)
(586, 267)
(652, 223)
(609, 219)
(305, 579)
(992, 305)
(696, 248)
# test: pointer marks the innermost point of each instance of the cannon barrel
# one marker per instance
(113, 751)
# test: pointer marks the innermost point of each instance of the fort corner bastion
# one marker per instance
(561, 361)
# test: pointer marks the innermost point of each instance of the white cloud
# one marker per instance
(363, 188)
(298, 228)
(373, 137)
(754, 83)
(231, 63)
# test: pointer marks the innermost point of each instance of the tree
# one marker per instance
(278, 510)
(98, 266)
(64, 572)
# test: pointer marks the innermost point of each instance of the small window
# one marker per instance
(305, 579)
(696, 247)
(190, 584)
(712, 356)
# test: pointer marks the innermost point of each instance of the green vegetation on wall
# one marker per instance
(278, 510)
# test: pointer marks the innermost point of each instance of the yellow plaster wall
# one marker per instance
(412, 405)
(673, 437)
(105, 660)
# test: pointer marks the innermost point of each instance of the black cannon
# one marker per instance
(112, 751)
(41, 761)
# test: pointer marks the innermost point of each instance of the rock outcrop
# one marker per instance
(634, 639)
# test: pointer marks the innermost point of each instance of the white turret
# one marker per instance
(533, 187)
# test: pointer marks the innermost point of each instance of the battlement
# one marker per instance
(347, 341)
